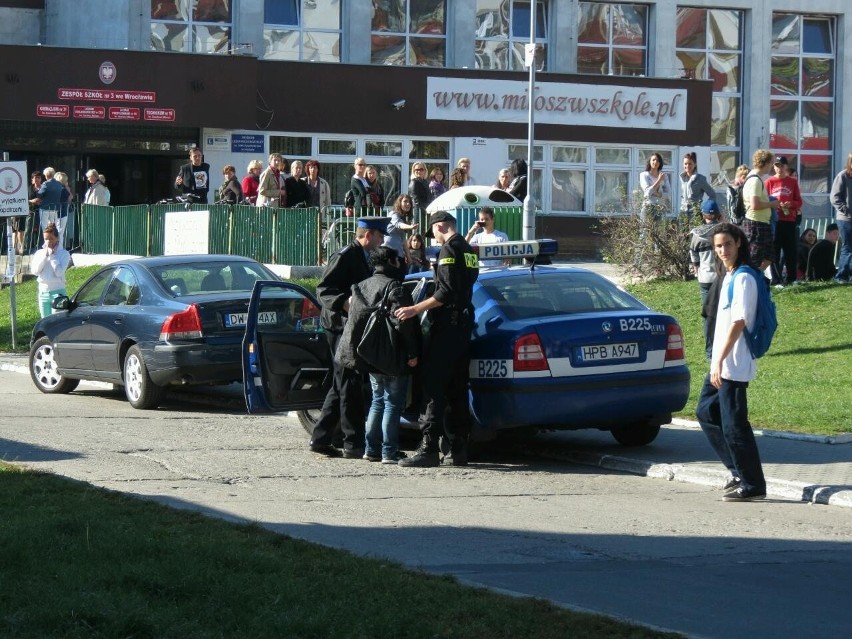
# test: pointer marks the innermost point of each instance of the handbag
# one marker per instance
(381, 345)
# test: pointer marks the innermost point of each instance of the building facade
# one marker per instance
(127, 87)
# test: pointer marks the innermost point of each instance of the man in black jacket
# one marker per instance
(445, 366)
(344, 403)
(194, 177)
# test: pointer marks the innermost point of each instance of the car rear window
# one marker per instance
(209, 277)
(542, 294)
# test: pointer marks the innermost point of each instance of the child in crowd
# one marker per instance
(417, 262)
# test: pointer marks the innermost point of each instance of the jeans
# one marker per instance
(786, 242)
(382, 429)
(45, 299)
(844, 264)
(723, 416)
(708, 325)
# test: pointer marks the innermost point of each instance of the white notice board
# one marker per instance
(186, 232)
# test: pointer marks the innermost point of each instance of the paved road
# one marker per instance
(664, 553)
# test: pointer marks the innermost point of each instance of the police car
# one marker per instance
(553, 347)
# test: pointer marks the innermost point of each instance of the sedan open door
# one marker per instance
(285, 356)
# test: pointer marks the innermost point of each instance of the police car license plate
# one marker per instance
(239, 319)
(607, 352)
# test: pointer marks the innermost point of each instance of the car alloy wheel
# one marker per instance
(44, 372)
(140, 390)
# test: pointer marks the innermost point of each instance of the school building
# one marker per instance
(127, 87)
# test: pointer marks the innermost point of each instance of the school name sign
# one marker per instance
(556, 103)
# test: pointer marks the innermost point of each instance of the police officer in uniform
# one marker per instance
(344, 403)
(446, 351)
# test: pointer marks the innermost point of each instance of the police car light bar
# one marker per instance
(522, 249)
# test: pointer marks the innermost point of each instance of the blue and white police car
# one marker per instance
(553, 347)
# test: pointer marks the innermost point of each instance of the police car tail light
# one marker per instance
(674, 347)
(183, 325)
(529, 354)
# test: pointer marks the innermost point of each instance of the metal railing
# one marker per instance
(298, 237)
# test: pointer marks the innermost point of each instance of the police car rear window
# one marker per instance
(541, 295)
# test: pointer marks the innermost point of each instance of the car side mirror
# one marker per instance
(61, 303)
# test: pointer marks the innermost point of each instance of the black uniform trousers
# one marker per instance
(445, 375)
(344, 405)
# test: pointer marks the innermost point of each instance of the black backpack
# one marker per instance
(738, 209)
(349, 199)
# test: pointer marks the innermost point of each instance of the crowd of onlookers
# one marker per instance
(772, 217)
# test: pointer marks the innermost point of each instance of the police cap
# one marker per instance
(438, 216)
(374, 223)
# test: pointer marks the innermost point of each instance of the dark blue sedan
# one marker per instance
(149, 323)
(553, 347)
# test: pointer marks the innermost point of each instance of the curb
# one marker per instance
(844, 438)
(780, 488)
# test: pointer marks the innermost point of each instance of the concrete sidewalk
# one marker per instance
(806, 468)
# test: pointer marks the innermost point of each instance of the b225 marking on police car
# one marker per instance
(628, 324)
(490, 368)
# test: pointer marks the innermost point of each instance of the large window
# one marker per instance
(301, 30)
(503, 30)
(612, 38)
(200, 26)
(391, 157)
(409, 32)
(709, 47)
(577, 179)
(802, 99)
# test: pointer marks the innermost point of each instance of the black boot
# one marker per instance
(426, 455)
(458, 452)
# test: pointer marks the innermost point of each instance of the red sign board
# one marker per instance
(160, 115)
(89, 112)
(53, 110)
(124, 113)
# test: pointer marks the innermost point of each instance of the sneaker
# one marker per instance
(732, 485)
(372, 457)
(326, 449)
(741, 494)
(395, 459)
(353, 453)
(422, 458)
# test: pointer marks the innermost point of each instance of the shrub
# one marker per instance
(648, 240)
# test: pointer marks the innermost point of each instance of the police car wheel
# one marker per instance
(308, 419)
(637, 434)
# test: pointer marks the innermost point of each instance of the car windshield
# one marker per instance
(543, 294)
(209, 277)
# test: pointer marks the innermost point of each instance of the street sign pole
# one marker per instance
(529, 200)
(10, 273)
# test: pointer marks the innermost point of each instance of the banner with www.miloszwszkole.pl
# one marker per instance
(556, 103)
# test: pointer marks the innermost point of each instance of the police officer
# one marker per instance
(344, 403)
(446, 352)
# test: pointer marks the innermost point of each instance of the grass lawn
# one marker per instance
(801, 384)
(79, 561)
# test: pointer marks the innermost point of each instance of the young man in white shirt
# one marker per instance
(722, 409)
(483, 232)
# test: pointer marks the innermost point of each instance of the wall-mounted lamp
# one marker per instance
(398, 104)
(13, 78)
